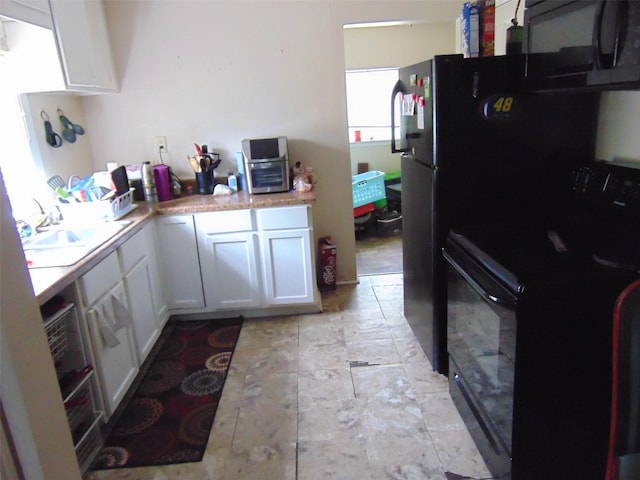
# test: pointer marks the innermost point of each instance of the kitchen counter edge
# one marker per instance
(48, 282)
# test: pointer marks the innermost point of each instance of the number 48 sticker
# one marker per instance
(499, 108)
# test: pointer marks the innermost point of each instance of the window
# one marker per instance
(369, 103)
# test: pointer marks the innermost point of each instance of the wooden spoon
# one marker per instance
(195, 165)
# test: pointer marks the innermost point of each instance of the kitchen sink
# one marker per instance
(67, 244)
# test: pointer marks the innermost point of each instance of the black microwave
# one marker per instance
(591, 44)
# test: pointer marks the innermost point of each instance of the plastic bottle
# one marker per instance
(149, 184)
(232, 182)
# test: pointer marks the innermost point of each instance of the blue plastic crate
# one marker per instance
(368, 187)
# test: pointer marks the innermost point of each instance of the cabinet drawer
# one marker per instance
(224, 222)
(282, 218)
(100, 278)
(134, 250)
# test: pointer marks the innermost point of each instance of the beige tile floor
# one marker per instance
(346, 394)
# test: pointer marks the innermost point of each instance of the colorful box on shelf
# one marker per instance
(363, 210)
(112, 209)
(368, 187)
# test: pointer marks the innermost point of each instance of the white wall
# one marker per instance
(220, 71)
(70, 158)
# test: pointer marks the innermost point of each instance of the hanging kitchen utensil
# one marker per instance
(67, 123)
(51, 137)
(67, 129)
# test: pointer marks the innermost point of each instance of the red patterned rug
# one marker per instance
(169, 418)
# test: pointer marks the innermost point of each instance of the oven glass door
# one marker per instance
(481, 319)
(268, 175)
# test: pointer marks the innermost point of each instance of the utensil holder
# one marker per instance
(204, 183)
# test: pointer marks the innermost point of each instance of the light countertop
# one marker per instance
(240, 200)
(48, 282)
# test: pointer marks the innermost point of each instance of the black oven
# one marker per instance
(529, 324)
(529, 342)
(481, 339)
(586, 43)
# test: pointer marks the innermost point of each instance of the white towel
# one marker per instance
(105, 326)
(121, 316)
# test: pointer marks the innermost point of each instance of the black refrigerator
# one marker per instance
(474, 150)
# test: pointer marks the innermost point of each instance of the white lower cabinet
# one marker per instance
(179, 262)
(157, 284)
(125, 311)
(227, 246)
(140, 294)
(229, 272)
(256, 258)
(136, 264)
(111, 330)
(287, 267)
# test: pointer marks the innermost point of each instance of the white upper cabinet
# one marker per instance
(83, 44)
(35, 12)
(72, 53)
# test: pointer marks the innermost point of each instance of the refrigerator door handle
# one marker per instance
(398, 88)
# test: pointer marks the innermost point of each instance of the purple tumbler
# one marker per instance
(163, 182)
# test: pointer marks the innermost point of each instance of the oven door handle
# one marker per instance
(489, 297)
(266, 160)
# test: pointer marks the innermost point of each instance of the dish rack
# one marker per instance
(112, 209)
(77, 382)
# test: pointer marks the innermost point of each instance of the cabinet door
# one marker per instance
(34, 12)
(157, 286)
(288, 268)
(179, 262)
(117, 365)
(229, 270)
(140, 292)
(83, 44)
(100, 279)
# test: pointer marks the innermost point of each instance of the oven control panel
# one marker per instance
(608, 185)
